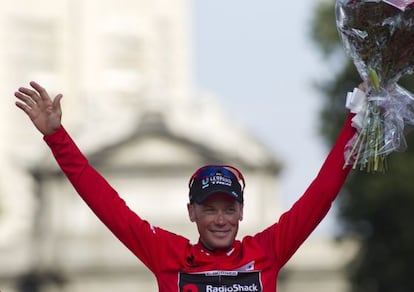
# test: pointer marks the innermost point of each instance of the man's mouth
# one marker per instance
(220, 233)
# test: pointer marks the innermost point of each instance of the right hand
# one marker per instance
(45, 113)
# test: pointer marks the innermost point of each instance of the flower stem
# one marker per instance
(373, 77)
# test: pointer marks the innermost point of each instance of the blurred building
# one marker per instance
(130, 103)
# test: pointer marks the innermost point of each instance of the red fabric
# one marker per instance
(252, 264)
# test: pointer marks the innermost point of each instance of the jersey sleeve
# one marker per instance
(295, 225)
(148, 243)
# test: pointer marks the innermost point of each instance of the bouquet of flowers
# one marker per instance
(379, 37)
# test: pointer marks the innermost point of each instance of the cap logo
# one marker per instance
(205, 182)
(235, 194)
(212, 179)
(217, 179)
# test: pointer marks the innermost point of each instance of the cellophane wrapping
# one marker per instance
(379, 37)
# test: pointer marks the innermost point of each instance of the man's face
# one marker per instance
(217, 220)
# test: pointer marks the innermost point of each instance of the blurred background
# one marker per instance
(154, 89)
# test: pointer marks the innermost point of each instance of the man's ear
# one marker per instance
(241, 212)
(191, 212)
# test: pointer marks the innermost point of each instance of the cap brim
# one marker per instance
(200, 199)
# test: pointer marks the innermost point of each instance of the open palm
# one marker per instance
(45, 113)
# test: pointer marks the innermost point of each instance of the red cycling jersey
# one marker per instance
(251, 264)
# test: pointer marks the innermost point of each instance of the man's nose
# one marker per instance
(220, 219)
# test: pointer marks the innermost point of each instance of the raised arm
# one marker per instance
(148, 243)
(296, 224)
(45, 113)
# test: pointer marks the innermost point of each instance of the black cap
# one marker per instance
(212, 179)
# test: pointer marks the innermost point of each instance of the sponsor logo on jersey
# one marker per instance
(220, 281)
(190, 288)
(233, 288)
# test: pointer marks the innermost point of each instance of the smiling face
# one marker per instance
(217, 220)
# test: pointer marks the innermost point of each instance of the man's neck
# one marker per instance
(215, 250)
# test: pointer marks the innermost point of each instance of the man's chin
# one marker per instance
(222, 244)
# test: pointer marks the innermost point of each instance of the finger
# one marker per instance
(24, 107)
(362, 86)
(56, 101)
(33, 94)
(42, 92)
(26, 99)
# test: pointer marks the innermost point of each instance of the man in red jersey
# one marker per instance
(218, 262)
